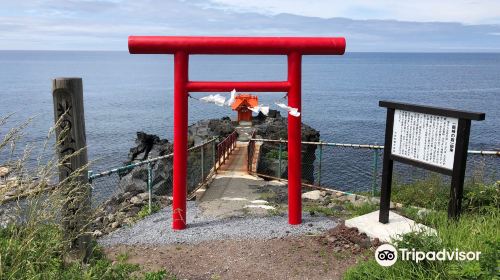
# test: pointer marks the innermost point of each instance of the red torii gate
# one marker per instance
(181, 47)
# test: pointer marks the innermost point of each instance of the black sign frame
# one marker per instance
(460, 158)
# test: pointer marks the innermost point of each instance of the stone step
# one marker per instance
(244, 133)
(245, 124)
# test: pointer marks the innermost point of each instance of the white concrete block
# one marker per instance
(397, 225)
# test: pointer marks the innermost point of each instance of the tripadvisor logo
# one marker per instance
(387, 255)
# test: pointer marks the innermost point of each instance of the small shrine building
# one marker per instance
(241, 104)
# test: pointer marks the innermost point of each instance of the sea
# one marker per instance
(125, 93)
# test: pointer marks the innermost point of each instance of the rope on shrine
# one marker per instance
(295, 113)
(190, 96)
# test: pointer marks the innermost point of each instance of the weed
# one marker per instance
(144, 212)
(52, 219)
(215, 277)
(434, 192)
(274, 154)
(279, 210)
(159, 275)
(268, 196)
(122, 257)
(318, 209)
(361, 209)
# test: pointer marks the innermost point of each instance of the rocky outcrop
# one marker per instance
(275, 126)
(151, 146)
(122, 209)
(148, 146)
(137, 178)
(205, 130)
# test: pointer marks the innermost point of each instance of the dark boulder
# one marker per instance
(148, 146)
(275, 126)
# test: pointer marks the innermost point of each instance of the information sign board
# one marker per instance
(432, 138)
(426, 138)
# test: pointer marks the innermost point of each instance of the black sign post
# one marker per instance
(432, 138)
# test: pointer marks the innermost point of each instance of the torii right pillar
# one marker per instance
(294, 140)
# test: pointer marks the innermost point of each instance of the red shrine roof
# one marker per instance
(245, 100)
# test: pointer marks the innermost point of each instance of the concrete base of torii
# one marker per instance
(397, 226)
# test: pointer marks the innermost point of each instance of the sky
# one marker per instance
(376, 25)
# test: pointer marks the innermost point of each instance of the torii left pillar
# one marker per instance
(182, 47)
(181, 64)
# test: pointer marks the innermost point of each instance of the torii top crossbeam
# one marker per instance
(181, 47)
(235, 45)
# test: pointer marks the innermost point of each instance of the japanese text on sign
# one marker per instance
(426, 138)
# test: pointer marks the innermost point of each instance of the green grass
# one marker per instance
(268, 196)
(478, 229)
(41, 243)
(473, 232)
(433, 193)
(314, 209)
(274, 154)
(362, 209)
(159, 275)
(279, 210)
(144, 212)
(39, 254)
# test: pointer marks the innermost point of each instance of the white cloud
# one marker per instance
(465, 11)
(105, 24)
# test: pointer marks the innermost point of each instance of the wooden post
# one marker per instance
(459, 164)
(71, 148)
(385, 192)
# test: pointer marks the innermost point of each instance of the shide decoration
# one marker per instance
(220, 100)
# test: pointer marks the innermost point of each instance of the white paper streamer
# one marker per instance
(264, 110)
(216, 99)
(232, 98)
(260, 108)
(255, 109)
(292, 111)
(219, 100)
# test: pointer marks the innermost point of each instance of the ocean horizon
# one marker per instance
(126, 93)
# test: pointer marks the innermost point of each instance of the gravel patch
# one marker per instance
(156, 229)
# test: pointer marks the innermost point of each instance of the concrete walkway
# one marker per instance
(244, 130)
(233, 190)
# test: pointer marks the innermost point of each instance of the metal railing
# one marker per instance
(346, 167)
(201, 167)
(225, 147)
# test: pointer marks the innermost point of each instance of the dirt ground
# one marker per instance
(326, 256)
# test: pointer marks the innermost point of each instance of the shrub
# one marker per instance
(274, 154)
(433, 193)
(482, 198)
(35, 246)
